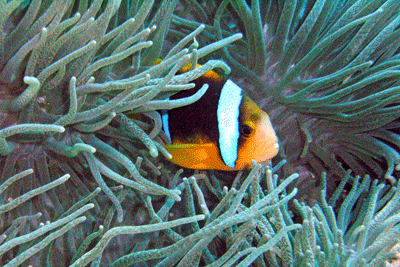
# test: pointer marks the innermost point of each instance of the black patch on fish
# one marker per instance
(199, 118)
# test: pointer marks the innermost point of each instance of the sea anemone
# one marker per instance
(325, 71)
(69, 72)
(79, 94)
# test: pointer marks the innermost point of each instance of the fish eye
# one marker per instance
(245, 130)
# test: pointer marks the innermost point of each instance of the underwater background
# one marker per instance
(84, 184)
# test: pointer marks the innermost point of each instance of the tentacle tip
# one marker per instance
(31, 80)
(391, 179)
(226, 69)
(294, 191)
(397, 168)
(178, 192)
(90, 80)
(253, 163)
(186, 57)
(153, 152)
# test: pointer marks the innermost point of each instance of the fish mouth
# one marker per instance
(271, 150)
(270, 140)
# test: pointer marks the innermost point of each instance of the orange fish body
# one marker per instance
(223, 130)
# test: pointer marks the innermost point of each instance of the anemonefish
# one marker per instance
(223, 130)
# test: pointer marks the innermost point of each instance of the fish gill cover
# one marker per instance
(81, 183)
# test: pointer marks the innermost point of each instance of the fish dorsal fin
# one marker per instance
(211, 75)
(228, 121)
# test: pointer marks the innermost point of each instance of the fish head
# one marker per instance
(257, 139)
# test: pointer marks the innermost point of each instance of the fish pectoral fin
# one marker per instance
(199, 151)
(192, 155)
